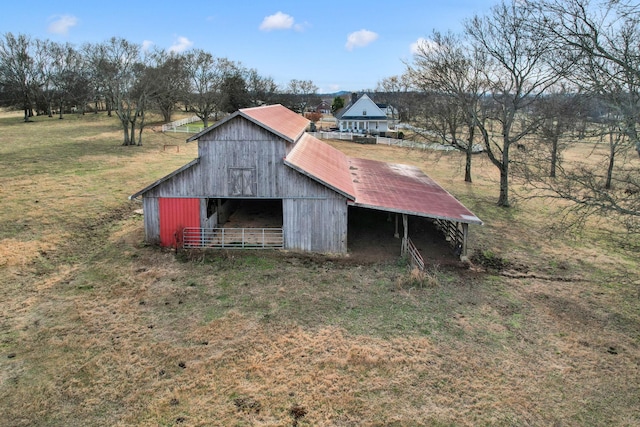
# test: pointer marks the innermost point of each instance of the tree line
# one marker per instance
(121, 78)
(523, 81)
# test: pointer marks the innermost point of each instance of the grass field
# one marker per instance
(96, 328)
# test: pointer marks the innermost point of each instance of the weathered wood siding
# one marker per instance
(244, 145)
(314, 216)
(151, 211)
(317, 225)
(184, 184)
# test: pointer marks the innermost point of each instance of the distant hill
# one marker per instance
(334, 94)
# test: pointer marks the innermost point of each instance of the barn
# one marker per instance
(261, 181)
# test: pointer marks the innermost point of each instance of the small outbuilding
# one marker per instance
(261, 181)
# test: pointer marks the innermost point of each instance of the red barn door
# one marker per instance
(175, 215)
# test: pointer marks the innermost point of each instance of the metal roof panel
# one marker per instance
(404, 189)
(323, 163)
(278, 119)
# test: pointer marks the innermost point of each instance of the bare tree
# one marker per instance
(394, 92)
(167, 80)
(302, 93)
(19, 75)
(70, 78)
(519, 73)
(603, 39)
(117, 65)
(206, 74)
(560, 114)
(44, 63)
(453, 73)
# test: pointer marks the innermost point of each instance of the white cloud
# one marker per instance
(146, 45)
(277, 21)
(60, 24)
(180, 45)
(360, 39)
(423, 45)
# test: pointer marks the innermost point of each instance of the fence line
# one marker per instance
(477, 148)
(184, 129)
(349, 136)
(178, 123)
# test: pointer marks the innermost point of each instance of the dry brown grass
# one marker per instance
(98, 329)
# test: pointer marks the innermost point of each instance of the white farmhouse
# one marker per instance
(362, 115)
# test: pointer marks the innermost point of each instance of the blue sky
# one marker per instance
(339, 45)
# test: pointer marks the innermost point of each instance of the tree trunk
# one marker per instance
(469, 152)
(612, 157)
(503, 200)
(554, 156)
(60, 110)
(133, 133)
(166, 114)
(467, 166)
(126, 135)
(141, 128)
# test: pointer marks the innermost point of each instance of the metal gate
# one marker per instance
(233, 238)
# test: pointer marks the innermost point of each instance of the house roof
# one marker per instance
(349, 113)
(274, 118)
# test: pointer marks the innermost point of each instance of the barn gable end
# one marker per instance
(240, 159)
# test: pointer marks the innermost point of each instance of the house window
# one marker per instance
(242, 182)
(364, 112)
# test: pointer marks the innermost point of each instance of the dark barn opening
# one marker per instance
(253, 213)
(378, 234)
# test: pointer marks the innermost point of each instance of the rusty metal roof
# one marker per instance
(322, 162)
(377, 185)
(274, 118)
(404, 189)
(278, 119)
